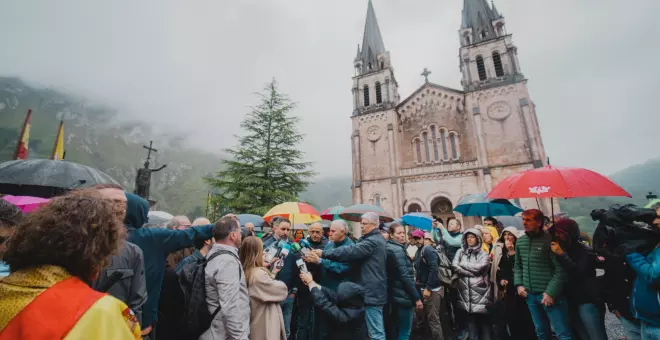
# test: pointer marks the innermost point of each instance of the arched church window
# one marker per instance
(418, 149)
(497, 62)
(377, 200)
(443, 140)
(454, 146)
(366, 95)
(483, 34)
(414, 208)
(425, 136)
(481, 68)
(435, 144)
(379, 93)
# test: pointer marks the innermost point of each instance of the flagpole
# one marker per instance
(60, 130)
(20, 138)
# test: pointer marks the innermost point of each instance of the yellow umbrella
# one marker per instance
(296, 212)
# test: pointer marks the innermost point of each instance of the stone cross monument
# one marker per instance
(143, 178)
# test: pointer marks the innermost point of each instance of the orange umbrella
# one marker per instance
(296, 212)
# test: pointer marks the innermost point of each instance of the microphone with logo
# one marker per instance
(284, 252)
(274, 250)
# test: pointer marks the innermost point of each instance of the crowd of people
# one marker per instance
(90, 265)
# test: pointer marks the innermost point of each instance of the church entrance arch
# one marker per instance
(414, 207)
(442, 208)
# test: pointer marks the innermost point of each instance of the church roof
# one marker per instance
(429, 84)
(479, 16)
(372, 42)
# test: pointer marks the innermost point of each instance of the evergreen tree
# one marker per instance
(266, 168)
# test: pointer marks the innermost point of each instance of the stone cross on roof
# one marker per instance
(426, 73)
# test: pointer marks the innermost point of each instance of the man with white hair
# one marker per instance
(371, 253)
(180, 223)
(332, 273)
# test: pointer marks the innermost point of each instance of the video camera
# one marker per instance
(623, 229)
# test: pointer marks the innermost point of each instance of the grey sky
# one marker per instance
(192, 65)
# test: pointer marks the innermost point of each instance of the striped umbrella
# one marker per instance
(296, 212)
(354, 213)
(332, 213)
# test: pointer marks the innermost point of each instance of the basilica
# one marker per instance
(426, 151)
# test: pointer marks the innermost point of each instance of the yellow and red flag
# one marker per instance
(58, 147)
(22, 146)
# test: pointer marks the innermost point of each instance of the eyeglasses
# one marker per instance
(315, 232)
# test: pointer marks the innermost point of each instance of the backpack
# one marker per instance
(446, 274)
(196, 316)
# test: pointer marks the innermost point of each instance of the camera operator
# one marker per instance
(645, 304)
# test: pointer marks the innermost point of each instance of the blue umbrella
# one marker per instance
(257, 220)
(418, 220)
(479, 205)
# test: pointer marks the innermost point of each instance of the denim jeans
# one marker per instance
(287, 309)
(405, 322)
(545, 317)
(591, 323)
(650, 332)
(632, 328)
(375, 322)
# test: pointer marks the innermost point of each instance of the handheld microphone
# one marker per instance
(306, 248)
(301, 265)
(285, 251)
(274, 250)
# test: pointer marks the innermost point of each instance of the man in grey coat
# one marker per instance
(226, 285)
(123, 277)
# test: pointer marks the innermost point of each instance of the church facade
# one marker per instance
(425, 152)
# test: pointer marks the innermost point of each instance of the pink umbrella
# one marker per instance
(26, 203)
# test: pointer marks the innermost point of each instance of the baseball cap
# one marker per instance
(418, 233)
(428, 236)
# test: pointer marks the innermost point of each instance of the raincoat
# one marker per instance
(472, 264)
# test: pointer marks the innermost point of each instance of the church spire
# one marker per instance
(372, 42)
(479, 17)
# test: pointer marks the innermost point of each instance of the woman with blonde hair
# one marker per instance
(266, 293)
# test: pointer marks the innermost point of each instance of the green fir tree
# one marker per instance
(266, 168)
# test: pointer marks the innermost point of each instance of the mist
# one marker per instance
(192, 66)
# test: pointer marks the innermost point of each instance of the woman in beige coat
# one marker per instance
(266, 293)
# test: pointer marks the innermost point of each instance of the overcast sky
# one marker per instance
(192, 65)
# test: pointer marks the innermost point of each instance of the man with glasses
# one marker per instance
(10, 216)
(371, 253)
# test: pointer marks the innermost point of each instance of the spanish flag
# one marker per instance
(22, 146)
(58, 147)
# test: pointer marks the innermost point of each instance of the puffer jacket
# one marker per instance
(370, 254)
(645, 302)
(400, 276)
(472, 265)
(343, 309)
(536, 267)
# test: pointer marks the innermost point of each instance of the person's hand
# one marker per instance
(440, 225)
(522, 291)
(503, 283)
(146, 331)
(547, 300)
(318, 252)
(278, 266)
(306, 278)
(509, 245)
(419, 305)
(426, 294)
(556, 248)
(312, 258)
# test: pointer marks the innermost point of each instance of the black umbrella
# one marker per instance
(47, 178)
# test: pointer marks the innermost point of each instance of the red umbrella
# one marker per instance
(558, 182)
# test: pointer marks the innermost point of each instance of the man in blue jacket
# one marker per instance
(371, 253)
(156, 244)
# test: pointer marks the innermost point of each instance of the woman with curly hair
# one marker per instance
(53, 255)
(10, 215)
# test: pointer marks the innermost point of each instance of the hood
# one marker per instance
(137, 209)
(568, 227)
(512, 230)
(492, 231)
(475, 232)
(350, 294)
